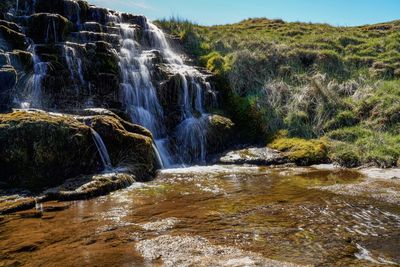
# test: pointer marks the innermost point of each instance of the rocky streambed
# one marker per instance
(222, 215)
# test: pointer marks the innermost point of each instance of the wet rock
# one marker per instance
(41, 150)
(21, 60)
(219, 133)
(86, 187)
(57, 28)
(11, 25)
(8, 79)
(134, 19)
(197, 251)
(129, 145)
(14, 203)
(254, 155)
(11, 39)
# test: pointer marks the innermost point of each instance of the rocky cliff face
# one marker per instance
(67, 56)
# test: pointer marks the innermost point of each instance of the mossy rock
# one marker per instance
(219, 133)
(59, 27)
(129, 146)
(13, 39)
(301, 151)
(41, 150)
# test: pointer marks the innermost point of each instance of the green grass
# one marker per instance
(312, 80)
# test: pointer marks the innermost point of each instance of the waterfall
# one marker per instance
(139, 93)
(74, 66)
(33, 94)
(190, 134)
(158, 157)
(140, 96)
(101, 147)
(17, 7)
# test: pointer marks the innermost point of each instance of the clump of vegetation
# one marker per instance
(354, 146)
(301, 151)
(312, 80)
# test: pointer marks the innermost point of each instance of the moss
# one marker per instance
(302, 152)
(129, 146)
(41, 150)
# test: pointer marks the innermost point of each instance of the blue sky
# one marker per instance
(211, 12)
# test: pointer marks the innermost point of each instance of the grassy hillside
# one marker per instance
(310, 80)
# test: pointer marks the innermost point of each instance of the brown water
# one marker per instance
(273, 212)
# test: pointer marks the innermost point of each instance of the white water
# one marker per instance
(33, 92)
(101, 147)
(138, 91)
(74, 65)
(191, 133)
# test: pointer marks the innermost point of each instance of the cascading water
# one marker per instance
(33, 94)
(190, 134)
(101, 147)
(178, 123)
(139, 94)
(140, 97)
(74, 65)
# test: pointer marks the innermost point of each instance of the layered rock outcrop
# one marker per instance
(40, 150)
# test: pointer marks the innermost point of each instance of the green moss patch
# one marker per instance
(301, 151)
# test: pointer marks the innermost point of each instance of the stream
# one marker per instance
(210, 216)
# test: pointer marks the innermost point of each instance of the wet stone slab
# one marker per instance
(254, 155)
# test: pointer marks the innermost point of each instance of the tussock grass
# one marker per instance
(312, 80)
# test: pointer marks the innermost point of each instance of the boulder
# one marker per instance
(86, 187)
(262, 156)
(219, 133)
(40, 150)
(130, 146)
